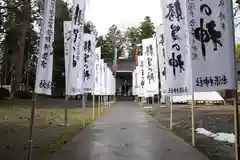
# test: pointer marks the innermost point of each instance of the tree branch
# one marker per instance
(13, 7)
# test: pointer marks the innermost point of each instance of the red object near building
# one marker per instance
(137, 53)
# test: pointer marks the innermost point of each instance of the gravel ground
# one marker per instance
(49, 131)
(214, 118)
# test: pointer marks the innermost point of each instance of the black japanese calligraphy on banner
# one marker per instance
(174, 11)
(175, 61)
(149, 61)
(149, 50)
(161, 42)
(87, 51)
(45, 84)
(74, 62)
(86, 57)
(75, 35)
(211, 45)
(67, 40)
(192, 25)
(76, 71)
(68, 35)
(77, 15)
(191, 8)
(211, 81)
(150, 77)
(97, 73)
(222, 16)
(164, 72)
(176, 69)
(164, 64)
(142, 80)
(89, 61)
(180, 90)
(48, 42)
(150, 72)
(89, 46)
(86, 74)
(174, 30)
(161, 54)
(206, 32)
(150, 66)
(141, 76)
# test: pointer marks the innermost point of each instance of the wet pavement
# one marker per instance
(125, 132)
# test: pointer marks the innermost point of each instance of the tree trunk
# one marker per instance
(5, 74)
(19, 56)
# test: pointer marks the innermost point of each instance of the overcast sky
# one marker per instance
(104, 13)
(125, 13)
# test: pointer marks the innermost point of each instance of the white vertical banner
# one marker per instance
(212, 45)
(161, 58)
(102, 77)
(43, 83)
(89, 51)
(67, 47)
(108, 83)
(141, 76)
(176, 40)
(112, 84)
(150, 66)
(75, 69)
(105, 78)
(137, 80)
(98, 53)
(97, 72)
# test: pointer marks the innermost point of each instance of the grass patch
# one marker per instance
(49, 133)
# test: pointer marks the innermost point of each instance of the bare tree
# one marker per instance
(19, 50)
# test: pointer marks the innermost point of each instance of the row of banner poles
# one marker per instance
(170, 102)
(43, 82)
(43, 86)
(200, 62)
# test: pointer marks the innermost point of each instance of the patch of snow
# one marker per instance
(224, 137)
(147, 107)
(205, 132)
(162, 106)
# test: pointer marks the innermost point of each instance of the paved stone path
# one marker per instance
(125, 132)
